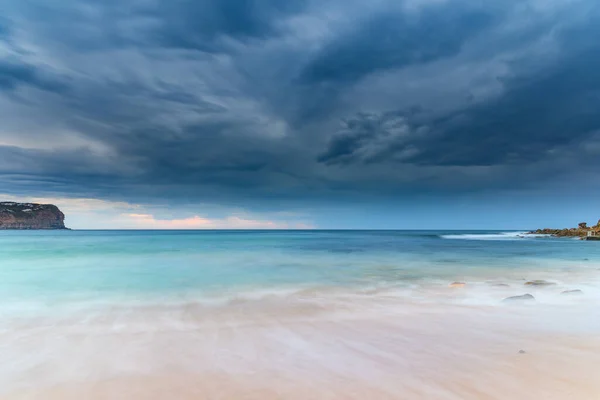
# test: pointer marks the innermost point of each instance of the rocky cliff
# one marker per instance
(30, 216)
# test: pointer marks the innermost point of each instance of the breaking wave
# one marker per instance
(491, 236)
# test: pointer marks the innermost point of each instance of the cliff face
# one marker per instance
(30, 216)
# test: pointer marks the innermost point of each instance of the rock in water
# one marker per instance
(519, 298)
(569, 292)
(457, 284)
(30, 216)
(539, 283)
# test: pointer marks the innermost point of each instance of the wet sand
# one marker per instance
(376, 347)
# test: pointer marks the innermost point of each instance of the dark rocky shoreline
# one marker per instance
(582, 231)
(27, 216)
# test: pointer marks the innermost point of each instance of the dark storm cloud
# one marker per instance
(204, 25)
(534, 118)
(14, 74)
(3, 29)
(200, 24)
(371, 138)
(395, 39)
(260, 102)
(11, 75)
(540, 113)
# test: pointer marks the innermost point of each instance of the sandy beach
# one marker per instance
(375, 347)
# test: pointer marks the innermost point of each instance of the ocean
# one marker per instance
(215, 314)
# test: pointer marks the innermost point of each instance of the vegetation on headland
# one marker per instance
(30, 216)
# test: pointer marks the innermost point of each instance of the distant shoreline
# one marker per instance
(582, 231)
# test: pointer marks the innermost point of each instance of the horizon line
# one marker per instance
(270, 230)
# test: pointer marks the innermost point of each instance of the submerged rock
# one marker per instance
(519, 298)
(521, 351)
(30, 216)
(500, 285)
(570, 292)
(539, 282)
(458, 284)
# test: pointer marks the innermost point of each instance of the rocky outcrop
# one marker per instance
(539, 282)
(583, 231)
(30, 216)
(525, 297)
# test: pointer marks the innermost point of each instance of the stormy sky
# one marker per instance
(302, 113)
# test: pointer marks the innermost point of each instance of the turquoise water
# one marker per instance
(79, 309)
(48, 269)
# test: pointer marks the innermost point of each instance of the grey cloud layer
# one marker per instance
(270, 101)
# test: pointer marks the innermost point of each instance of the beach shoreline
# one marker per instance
(384, 348)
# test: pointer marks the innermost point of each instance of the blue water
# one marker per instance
(86, 307)
(49, 268)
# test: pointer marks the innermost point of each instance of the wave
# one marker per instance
(491, 236)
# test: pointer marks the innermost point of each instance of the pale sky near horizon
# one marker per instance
(386, 114)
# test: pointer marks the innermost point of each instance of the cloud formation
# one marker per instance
(270, 104)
